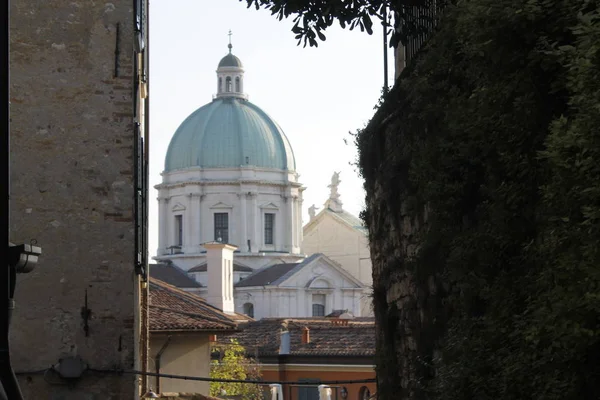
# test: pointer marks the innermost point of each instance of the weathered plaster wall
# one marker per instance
(71, 172)
(183, 355)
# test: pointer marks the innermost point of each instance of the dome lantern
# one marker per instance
(230, 75)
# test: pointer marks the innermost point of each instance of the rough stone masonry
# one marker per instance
(72, 191)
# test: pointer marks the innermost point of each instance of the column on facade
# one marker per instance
(196, 219)
(205, 219)
(356, 302)
(293, 219)
(337, 300)
(187, 225)
(289, 212)
(163, 227)
(243, 246)
(299, 222)
(255, 223)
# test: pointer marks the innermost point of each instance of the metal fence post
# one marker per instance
(276, 391)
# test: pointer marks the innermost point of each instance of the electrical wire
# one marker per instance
(36, 372)
(204, 379)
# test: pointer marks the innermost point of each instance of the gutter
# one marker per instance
(157, 361)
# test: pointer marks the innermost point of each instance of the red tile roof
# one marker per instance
(328, 337)
(172, 309)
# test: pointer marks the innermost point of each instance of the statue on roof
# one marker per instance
(334, 203)
(312, 211)
(335, 182)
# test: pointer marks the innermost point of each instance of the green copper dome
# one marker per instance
(229, 132)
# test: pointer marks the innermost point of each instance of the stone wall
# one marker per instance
(72, 191)
(407, 305)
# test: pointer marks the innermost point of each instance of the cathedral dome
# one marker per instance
(229, 132)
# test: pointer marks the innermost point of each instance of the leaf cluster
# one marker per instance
(236, 365)
(312, 18)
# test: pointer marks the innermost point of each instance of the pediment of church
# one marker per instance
(220, 204)
(269, 206)
(178, 207)
(321, 273)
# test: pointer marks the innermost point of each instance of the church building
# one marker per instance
(230, 213)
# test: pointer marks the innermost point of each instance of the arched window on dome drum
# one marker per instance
(249, 309)
(228, 84)
(220, 88)
(237, 84)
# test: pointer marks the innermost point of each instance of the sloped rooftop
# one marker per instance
(172, 309)
(328, 336)
(172, 275)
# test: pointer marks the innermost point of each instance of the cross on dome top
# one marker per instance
(229, 46)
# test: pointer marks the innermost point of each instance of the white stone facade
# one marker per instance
(190, 198)
(318, 280)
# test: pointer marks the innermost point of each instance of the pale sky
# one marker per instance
(317, 95)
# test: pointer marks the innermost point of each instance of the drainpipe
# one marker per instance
(157, 361)
(9, 387)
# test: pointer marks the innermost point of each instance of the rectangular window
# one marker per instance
(318, 305)
(269, 228)
(308, 392)
(222, 227)
(178, 230)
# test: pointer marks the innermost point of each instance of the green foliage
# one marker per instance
(312, 18)
(495, 130)
(236, 366)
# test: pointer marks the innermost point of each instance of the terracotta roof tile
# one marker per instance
(328, 336)
(172, 309)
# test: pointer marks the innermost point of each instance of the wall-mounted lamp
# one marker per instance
(23, 257)
(150, 395)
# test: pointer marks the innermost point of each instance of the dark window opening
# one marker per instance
(249, 309)
(269, 227)
(237, 84)
(318, 310)
(318, 305)
(222, 227)
(178, 230)
(308, 392)
(228, 84)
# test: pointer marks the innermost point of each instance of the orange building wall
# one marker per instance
(291, 375)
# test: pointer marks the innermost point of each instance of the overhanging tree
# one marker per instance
(313, 18)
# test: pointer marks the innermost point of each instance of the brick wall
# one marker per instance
(72, 191)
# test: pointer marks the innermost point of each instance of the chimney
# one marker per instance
(284, 343)
(219, 260)
(305, 335)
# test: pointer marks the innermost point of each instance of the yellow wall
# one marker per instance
(346, 246)
(184, 355)
(341, 243)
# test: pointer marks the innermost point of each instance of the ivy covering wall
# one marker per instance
(482, 173)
